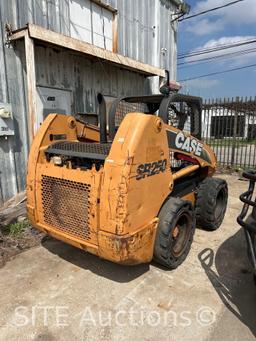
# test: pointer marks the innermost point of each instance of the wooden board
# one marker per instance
(31, 84)
(42, 34)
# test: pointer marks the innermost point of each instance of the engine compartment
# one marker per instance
(75, 155)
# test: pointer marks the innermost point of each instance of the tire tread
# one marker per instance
(207, 193)
(167, 214)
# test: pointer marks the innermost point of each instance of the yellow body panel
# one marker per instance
(110, 212)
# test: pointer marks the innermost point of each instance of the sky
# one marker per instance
(232, 24)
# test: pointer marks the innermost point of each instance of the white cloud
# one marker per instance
(233, 60)
(205, 26)
(241, 13)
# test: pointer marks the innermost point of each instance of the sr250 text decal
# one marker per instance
(149, 169)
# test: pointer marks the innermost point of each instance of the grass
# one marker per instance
(17, 228)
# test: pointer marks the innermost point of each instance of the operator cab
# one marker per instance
(180, 111)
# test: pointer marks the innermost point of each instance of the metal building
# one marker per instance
(56, 55)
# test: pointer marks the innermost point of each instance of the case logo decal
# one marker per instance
(188, 144)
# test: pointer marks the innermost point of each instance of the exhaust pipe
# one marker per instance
(102, 118)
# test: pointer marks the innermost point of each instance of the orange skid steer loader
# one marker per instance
(131, 189)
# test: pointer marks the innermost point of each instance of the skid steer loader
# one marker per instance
(132, 189)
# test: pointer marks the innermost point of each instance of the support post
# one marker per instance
(115, 34)
(31, 84)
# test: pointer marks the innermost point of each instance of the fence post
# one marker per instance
(234, 134)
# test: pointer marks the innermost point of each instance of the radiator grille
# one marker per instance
(97, 151)
(66, 206)
(82, 147)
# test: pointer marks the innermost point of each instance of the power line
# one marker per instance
(221, 56)
(219, 47)
(210, 10)
(217, 73)
(214, 47)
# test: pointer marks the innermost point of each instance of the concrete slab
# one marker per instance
(57, 292)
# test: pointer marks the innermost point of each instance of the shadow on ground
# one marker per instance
(101, 267)
(232, 279)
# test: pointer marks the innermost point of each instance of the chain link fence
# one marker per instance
(229, 127)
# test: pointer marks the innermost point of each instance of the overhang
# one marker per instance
(41, 34)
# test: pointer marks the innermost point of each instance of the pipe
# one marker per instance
(184, 171)
(102, 118)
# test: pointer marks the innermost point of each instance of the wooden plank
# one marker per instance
(114, 33)
(31, 84)
(17, 34)
(106, 6)
(54, 38)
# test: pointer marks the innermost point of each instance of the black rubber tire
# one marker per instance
(174, 211)
(211, 203)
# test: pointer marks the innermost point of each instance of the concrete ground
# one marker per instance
(57, 292)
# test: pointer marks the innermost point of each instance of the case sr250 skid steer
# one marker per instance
(132, 189)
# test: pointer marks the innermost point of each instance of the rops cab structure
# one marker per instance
(131, 189)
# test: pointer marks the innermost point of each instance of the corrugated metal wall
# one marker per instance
(144, 33)
(62, 69)
(148, 22)
(13, 149)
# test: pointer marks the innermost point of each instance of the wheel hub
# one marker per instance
(175, 232)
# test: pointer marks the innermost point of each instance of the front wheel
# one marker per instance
(174, 232)
(211, 203)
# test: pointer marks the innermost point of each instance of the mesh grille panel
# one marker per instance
(124, 108)
(66, 206)
(81, 147)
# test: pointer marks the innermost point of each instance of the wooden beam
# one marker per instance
(106, 6)
(40, 33)
(19, 34)
(114, 33)
(31, 84)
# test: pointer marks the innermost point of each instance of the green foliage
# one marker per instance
(17, 228)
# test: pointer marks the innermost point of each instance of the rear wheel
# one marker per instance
(174, 233)
(211, 203)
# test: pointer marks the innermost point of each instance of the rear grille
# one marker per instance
(80, 149)
(66, 206)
